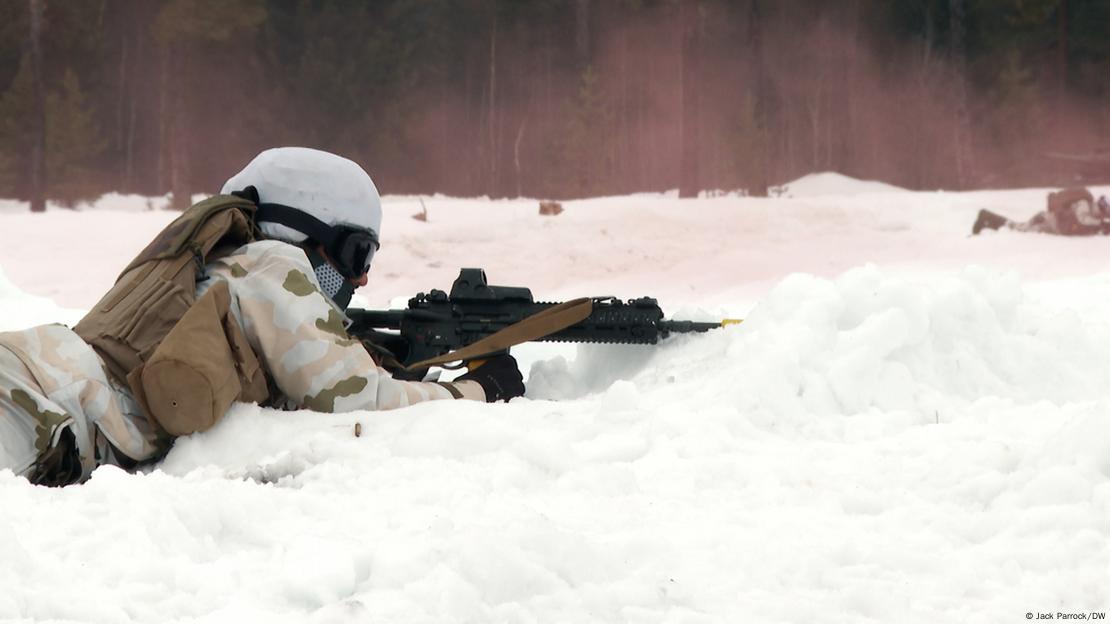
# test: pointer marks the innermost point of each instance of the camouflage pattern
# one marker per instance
(50, 379)
(301, 339)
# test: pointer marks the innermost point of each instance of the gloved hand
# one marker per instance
(499, 377)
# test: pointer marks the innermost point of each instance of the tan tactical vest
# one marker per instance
(185, 359)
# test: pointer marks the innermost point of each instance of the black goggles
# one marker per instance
(350, 249)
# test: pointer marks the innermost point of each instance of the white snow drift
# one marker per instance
(910, 425)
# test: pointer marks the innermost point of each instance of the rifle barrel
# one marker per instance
(684, 327)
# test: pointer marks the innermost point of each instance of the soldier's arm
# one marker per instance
(300, 338)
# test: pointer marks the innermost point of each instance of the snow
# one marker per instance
(116, 202)
(832, 183)
(910, 425)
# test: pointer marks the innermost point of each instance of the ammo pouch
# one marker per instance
(200, 368)
(185, 360)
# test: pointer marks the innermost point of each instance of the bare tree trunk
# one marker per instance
(125, 104)
(657, 176)
(759, 179)
(516, 153)
(852, 151)
(623, 129)
(163, 117)
(548, 53)
(1062, 46)
(179, 144)
(129, 143)
(121, 102)
(38, 113)
(923, 86)
(957, 10)
(689, 79)
(787, 133)
(1061, 132)
(493, 103)
(813, 108)
(643, 135)
(828, 147)
(582, 32)
(445, 136)
(473, 118)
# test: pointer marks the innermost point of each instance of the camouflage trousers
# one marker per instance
(60, 415)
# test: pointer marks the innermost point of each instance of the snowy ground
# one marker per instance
(911, 425)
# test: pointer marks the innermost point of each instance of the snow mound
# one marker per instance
(831, 183)
(19, 310)
(880, 448)
(864, 342)
(923, 442)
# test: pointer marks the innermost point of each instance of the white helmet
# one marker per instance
(328, 187)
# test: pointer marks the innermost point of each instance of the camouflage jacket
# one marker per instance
(296, 331)
(300, 336)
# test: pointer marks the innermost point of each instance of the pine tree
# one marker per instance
(15, 108)
(180, 27)
(37, 117)
(436, 95)
(749, 143)
(583, 162)
(73, 142)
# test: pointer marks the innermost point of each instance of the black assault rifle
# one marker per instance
(437, 323)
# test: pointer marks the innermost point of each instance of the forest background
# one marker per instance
(554, 98)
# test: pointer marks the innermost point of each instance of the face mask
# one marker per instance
(332, 283)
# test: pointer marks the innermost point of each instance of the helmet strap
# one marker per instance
(303, 222)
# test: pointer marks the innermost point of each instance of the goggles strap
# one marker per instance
(330, 237)
(298, 220)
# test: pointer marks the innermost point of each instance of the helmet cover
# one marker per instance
(331, 188)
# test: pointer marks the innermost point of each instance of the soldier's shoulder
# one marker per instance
(269, 253)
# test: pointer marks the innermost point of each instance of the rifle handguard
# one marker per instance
(539, 325)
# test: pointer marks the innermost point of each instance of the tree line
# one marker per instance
(553, 98)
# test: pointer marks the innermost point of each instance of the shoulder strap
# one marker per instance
(178, 237)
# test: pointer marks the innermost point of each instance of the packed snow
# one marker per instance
(910, 425)
(832, 183)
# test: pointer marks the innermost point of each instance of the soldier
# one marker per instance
(1071, 212)
(217, 310)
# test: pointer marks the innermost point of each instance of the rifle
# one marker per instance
(477, 320)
